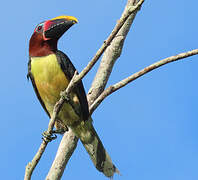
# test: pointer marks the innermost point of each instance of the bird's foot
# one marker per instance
(49, 136)
(59, 131)
(64, 95)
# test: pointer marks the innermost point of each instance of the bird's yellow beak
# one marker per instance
(68, 18)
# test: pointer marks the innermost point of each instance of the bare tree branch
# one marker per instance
(67, 146)
(138, 74)
(113, 52)
(120, 23)
(31, 165)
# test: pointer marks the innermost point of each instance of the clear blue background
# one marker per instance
(149, 127)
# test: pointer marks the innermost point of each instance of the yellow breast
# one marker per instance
(49, 79)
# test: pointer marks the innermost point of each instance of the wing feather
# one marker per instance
(69, 70)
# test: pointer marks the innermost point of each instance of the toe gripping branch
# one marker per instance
(50, 136)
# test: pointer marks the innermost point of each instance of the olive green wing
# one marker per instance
(69, 70)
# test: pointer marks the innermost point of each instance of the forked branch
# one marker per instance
(138, 74)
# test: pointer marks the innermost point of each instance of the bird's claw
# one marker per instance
(62, 94)
(59, 131)
(48, 137)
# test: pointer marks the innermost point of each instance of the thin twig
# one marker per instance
(106, 43)
(138, 74)
(31, 165)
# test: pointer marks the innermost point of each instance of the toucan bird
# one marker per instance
(50, 71)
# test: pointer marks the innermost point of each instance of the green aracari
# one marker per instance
(50, 71)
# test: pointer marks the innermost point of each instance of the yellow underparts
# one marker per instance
(50, 81)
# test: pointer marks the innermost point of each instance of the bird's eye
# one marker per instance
(39, 28)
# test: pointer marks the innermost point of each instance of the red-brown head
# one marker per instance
(46, 34)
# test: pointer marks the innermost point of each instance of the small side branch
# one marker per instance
(138, 74)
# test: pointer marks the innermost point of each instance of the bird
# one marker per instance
(50, 71)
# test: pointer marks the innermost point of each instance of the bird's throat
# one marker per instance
(39, 47)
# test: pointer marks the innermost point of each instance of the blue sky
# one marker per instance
(149, 127)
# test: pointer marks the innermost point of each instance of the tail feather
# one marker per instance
(95, 149)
